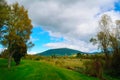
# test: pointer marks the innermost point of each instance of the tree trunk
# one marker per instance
(107, 58)
(9, 61)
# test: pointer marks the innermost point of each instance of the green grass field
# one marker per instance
(36, 70)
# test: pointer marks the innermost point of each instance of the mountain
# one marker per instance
(59, 52)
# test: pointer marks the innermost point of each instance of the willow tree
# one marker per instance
(17, 28)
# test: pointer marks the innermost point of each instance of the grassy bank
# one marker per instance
(35, 70)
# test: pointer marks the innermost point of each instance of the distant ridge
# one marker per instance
(59, 52)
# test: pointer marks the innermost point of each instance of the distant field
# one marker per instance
(36, 70)
(67, 63)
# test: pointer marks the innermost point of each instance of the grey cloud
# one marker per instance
(71, 19)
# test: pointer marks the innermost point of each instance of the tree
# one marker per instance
(108, 39)
(79, 55)
(115, 45)
(103, 36)
(20, 51)
(17, 31)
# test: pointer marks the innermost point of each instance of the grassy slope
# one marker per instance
(33, 70)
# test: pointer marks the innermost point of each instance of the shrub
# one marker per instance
(37, 58)
(94, 68)
(115, 66)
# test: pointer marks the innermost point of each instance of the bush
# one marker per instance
(37, 58)
(114, 71)
(58, 62)
(94, 68)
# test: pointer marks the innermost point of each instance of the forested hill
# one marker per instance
(59, 52)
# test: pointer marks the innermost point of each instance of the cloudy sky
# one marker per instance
(66, 23)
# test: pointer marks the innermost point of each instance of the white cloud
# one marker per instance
(74, 20)
(33, 39)
(74, 44)
(2, 49)
(31, 52)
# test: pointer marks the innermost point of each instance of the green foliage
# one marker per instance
(109, 41)
(53, 56)
(18, 26)
(15, 32)
(59, 52)
(94, 68)
(20, 51)
(115, 63)
(115, 66)
(102, 38)
(79, 55)
(3, 12)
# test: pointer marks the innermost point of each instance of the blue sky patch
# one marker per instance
(117, 6)
(41, 37)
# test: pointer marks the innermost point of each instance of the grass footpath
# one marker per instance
(35, 70)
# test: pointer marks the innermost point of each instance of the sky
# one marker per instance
(66, 23)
